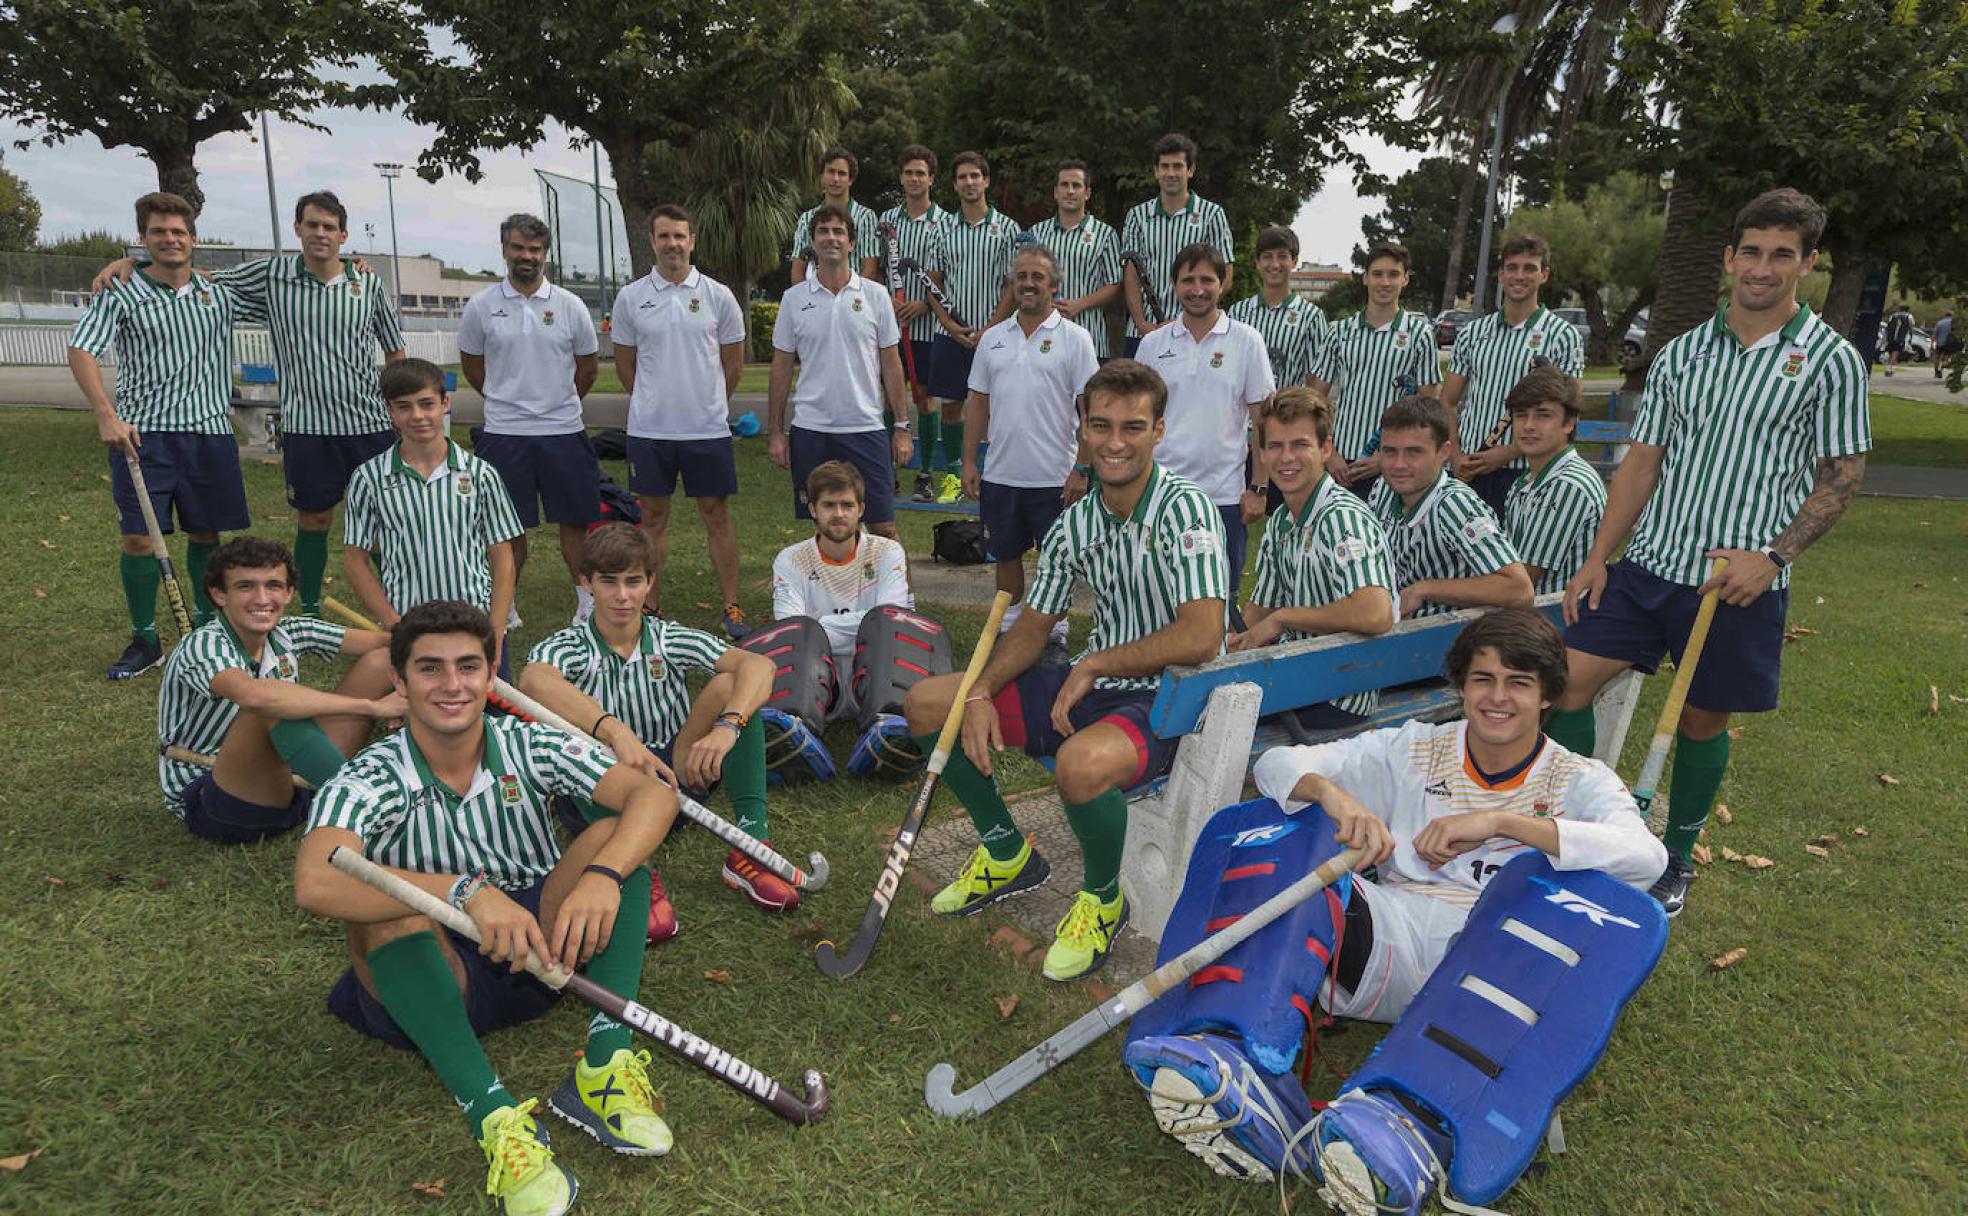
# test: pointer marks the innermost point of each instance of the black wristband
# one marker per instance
(595, 730)
(605, 872)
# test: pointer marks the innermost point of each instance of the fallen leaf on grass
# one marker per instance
(1827, 838)
(99, 476)
(1958, 700)
(815, 929)
(1795, 632)
(1755, 862)
(1821, 599)
(57, 882)
(1888, 779)
(703, 605)
(1729, 854)
(1861, 831)
(434, 1189)
(1006, 1004)
(718, 976)
(893, 1018)
(1722, 962)
(1736, 732)
(1920, 586)
(1817, 850)
(16, 1164)
(46, 543)
(62, 519)
(40, 594)
(1703, 856)
(1722, 815)
(1933, 700)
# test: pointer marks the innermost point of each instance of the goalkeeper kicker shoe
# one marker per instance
(521, 1172)
(614, 1104)
(985, 880)
(1206, 1093)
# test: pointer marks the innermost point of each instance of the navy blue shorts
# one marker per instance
(197, 474)
(558, 472)
(868, 451)
(1016, 518)
(213, 814)
(318, 467)
(1025, 718)
(949, 373)
(1236, 541)
(709, 467)
(1642, 616)
(924, 353)
(1129, 346)
(495, 998)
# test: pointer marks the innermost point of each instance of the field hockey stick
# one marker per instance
(720, 1063)
(911, 266)
(939, 1087)
(839, 966)
(891, 247)
(173, 590)
(508, 698)
(1151, 303)
(184, 755)
(1677, 696)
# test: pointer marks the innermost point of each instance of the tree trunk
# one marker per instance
(1472, 172)
(638, 194)
(1595, 323)
(176, 174)
(1690, 268)
(1848, 276)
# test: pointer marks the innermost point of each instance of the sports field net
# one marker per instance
(591, 261)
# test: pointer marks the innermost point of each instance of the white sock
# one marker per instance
(583, 605)
(1059, 630)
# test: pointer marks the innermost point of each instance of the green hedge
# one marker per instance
(758, 330)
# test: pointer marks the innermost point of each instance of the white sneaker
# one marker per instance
(583, 605)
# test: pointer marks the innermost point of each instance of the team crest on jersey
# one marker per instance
(574, 748)
(464, 485)
(693, 304)
(284, 667)
(1216, 360)
(1793, 364)
(355, 288)
(1401, 340)
(868, 571)
(509, 792)
(546, 318)
(1537, 340)
(1045, 346)
(1086, 236)
(1541, 809)
(993, 228)
(857, 304)
(1291, 315)
(1195, 219)
(655, 665)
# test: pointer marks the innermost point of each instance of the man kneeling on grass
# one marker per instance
(460, 804)
(232, 692)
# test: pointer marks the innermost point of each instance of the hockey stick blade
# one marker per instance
(831, 961)
(939, 1088)
(736, 1073)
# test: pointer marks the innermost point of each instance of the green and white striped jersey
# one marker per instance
(976, 263)
(325, 338)
(1295, 333)
(921, 238)
(1158, 235)
(1495, 356)
(1744, 428)
(866, 243)
(1167, 552)
(1450, 533)
(1552, 517)
(647, 690)
(503, 825)
(1320, 556)
(1370, 369)
(190, 715)
(173, 352)
(1089, 258)
(432, 532)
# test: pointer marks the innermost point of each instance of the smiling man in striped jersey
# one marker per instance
(1749, 445)
(1161, 227)
(1088, 254)
(977, 241)
(1373, 359)
(1553, 511)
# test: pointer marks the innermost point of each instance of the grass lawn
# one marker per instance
(166, 1049)
(751, 380)
(1927, 433)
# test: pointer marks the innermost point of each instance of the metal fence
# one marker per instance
(47, 346)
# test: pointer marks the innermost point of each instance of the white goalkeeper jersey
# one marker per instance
(1411, 774)
(839, 594)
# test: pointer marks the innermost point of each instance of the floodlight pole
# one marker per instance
(1480, 303)
(391, 172)
(273, 204)
(601, 236)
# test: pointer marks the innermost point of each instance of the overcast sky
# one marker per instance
(82, 186)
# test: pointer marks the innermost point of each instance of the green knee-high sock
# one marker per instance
(197, 553)
(415, 984)
(1698, 768)
(953, 444)
(1575, 730)
(618, 966)
(932, 434)
(744, 778)
(307, 750)
(1101, 825)
(979, 794)
(311, 560)
(140, 577)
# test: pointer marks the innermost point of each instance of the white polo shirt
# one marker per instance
(838, 340)
(1211, 387)
(1032, 383)
(678, 331)
(529, 344)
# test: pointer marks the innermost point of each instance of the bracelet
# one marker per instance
(595, 730)
(729, 725)
(464, 888)
(977, 696)
(605, 872)
(735, 718)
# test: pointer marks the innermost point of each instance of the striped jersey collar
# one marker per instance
(1317, 499)
(1719, 327)
(454, 460)
(295, 269)
(490, 760)
(198, 283)
(645, 644)
(1187, 207)
(990, 213)
(1359, 321)
(1086, 219)
(1140, 513)
(1568, 452)
(1526, 323)
(257, 666)
(1413, 514)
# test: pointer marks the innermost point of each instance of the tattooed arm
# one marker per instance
(1751, 572)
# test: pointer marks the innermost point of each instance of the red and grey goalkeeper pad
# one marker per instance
(1262, 991)
(894, 649)
(805, 687)
(1512, 1019)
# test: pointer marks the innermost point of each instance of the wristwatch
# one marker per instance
(904, 425)
(1776, 559)
(1254, 488)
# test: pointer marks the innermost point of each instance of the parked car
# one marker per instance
(1575, 317)
(1636, 336)
(1447, 324)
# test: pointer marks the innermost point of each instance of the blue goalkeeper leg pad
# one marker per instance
(791, 746)
(886, 747)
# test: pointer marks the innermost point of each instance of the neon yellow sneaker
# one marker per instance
(614, 1104)
(1085, 936)
(949, 488)
(521, 1172)
(985, 880)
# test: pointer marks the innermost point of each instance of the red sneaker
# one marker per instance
(758, 884)
(662, 917)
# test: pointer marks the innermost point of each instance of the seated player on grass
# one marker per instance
(625, 672)
(436, 516)
(461, 805)
(1150, 544)
(1440, 809)
(232, 691)
(1323, 564)
(1449, 552)
(1553, 511)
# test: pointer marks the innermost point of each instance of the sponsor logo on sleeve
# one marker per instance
(1197, 542)
(1478, 529)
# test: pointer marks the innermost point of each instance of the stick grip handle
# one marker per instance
(422, 902)
(979, 656)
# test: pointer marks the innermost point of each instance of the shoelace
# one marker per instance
(634, 1078)
(1083, 921)
(980, 858)
(734, 614)
(516, 1153)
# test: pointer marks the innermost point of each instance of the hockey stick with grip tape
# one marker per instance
(892, 248)
(1677, 696)
(1151, 303)
(720, 1063)
(173, 589)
